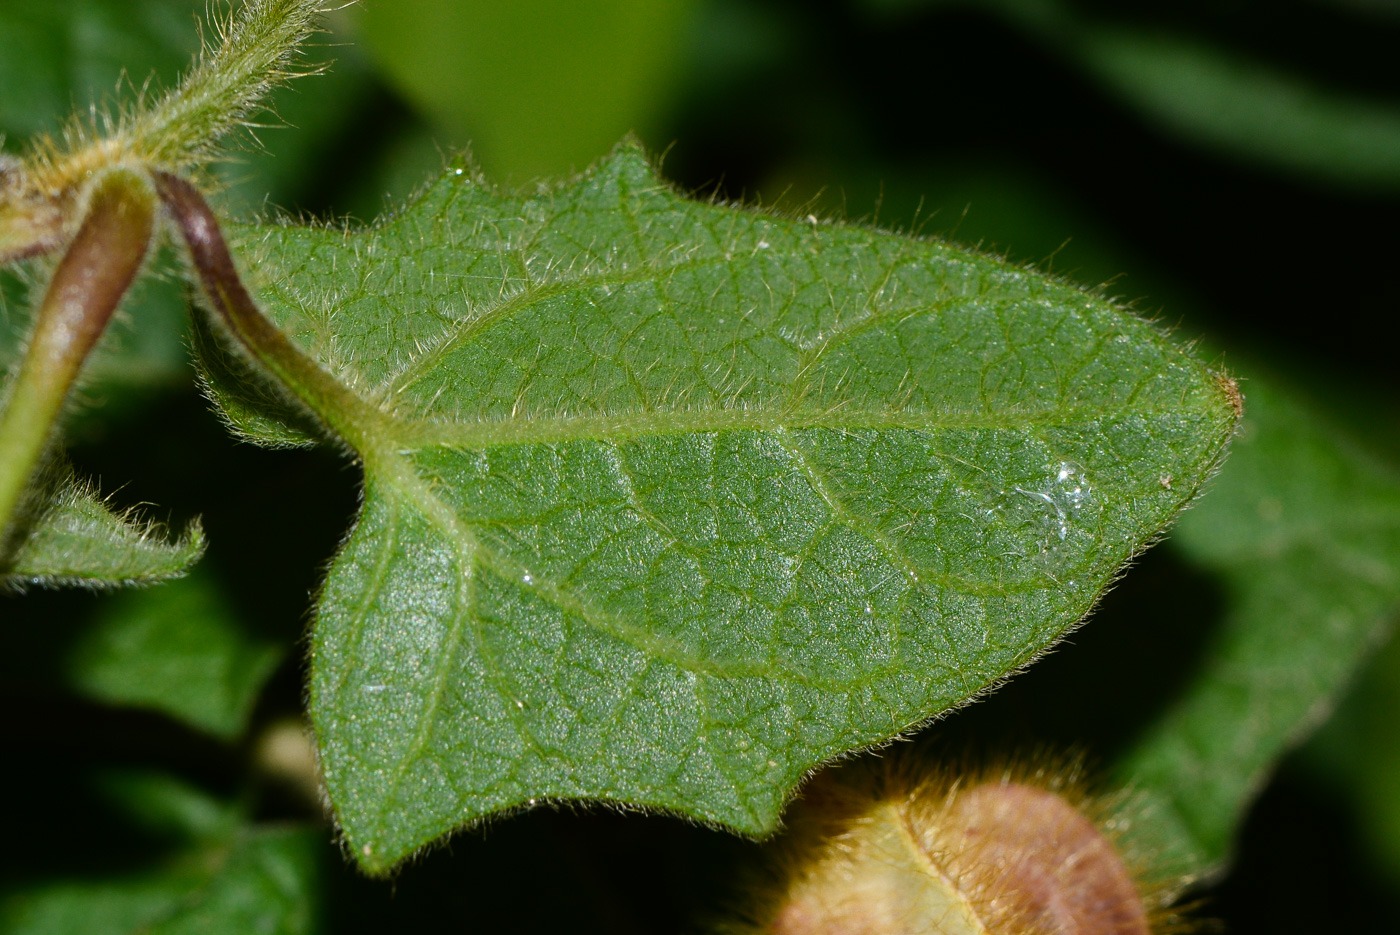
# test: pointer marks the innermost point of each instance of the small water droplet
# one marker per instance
(869, 609)
(763, 245)
(528, 579)
(1063, 499)
(459, 172)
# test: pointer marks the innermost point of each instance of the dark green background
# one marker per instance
(962, 119)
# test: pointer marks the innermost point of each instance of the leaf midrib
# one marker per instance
(386, 443)
(417, 434)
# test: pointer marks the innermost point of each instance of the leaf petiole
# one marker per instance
(340, 410)
(99, 266)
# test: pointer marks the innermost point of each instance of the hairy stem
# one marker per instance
(225, 85)
(98, 268)
(345, 414)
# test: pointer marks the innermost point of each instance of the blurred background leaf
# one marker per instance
(1358, 755)
(220, 874)
(1246, 107)
(178, 649)
(540, 88)
(63, 55)
(1302, 529)
(1217, 96)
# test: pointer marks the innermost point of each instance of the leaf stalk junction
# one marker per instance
(96, 271)
(92, 196)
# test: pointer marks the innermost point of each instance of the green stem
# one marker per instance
(347, 416)
(96, 271)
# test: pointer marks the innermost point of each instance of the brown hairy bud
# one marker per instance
(30, 224)
(1020, 850)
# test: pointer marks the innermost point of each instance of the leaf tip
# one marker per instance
(1230, 388)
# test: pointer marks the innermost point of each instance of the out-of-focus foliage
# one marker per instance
(179, 649)
(55, 56)
(1358, 753)
(1226, 98)
(1303, 529)
(221, 875)
(539, 88)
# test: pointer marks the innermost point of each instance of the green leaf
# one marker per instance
(77, 539)
(167, 807)
(261, 879)
(178, 649)
(667, 502)
(1303, 528)
(539, 88)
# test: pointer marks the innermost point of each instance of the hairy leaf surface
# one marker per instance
(1303, 526)
(76, 538)
(668, 502)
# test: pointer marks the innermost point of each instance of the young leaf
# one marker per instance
(667, 502)
(179, 649)
(1304, 529)
(77, 539)
(93, 200)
